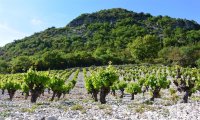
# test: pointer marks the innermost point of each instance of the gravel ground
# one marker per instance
(78, 105)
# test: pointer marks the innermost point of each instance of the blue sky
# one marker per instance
(20, 18)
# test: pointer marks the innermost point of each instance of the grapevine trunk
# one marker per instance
(185, 97)
(26, 95)
(59, 95)
(11, 93)
(3, 92)
(34, 96)
(122, 93)
(132, 96)
(53, 96)
(113, 92)
(156, 94)
(104, 91)
(94, 95)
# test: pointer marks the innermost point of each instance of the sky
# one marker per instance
(21, 18)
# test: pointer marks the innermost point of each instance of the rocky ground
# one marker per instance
(78, 105)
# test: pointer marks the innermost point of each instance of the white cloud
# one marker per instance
(36, 22)
(8, 34)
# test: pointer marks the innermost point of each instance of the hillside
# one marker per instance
(116, 35)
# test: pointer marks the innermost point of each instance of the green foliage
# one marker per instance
(4, 66)
(193, 36)
(86, 41)
(105, 78)
(52, 59)
(121, 84)
(66, 88)
(1, 84)
(74, 80)
(133, 87)
(59, 87)
(33, 80)
(25, 88)
(141, 81)
(11, 85)
(187, 80)
(145, 47)
(85, 73)
(159, 81)
(36, 83)
(156, 82)
(114, 86)
(56, 84)
(77, 107)
(198, 63)
(101, 80)
(89, 83)
(21, 64)
(172, 91)
(197, 86)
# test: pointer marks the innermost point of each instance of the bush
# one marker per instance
(156, 83)
(198, 63)
(101, 80)
(36, 83)
(121, 86)
(133, 88)
(11, 86)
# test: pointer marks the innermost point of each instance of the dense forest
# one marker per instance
(116, 35)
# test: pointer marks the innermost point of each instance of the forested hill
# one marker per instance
(116, 35)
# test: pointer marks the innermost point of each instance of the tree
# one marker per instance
(170, 42)
(184, 56)
(193, 36)
(104, 55)
(143, 48)
(180, 36)
(53, 59)
(21, 64)
(198, 63)
(4, 66)
(175, 56)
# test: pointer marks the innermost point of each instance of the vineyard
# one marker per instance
(140, 87)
